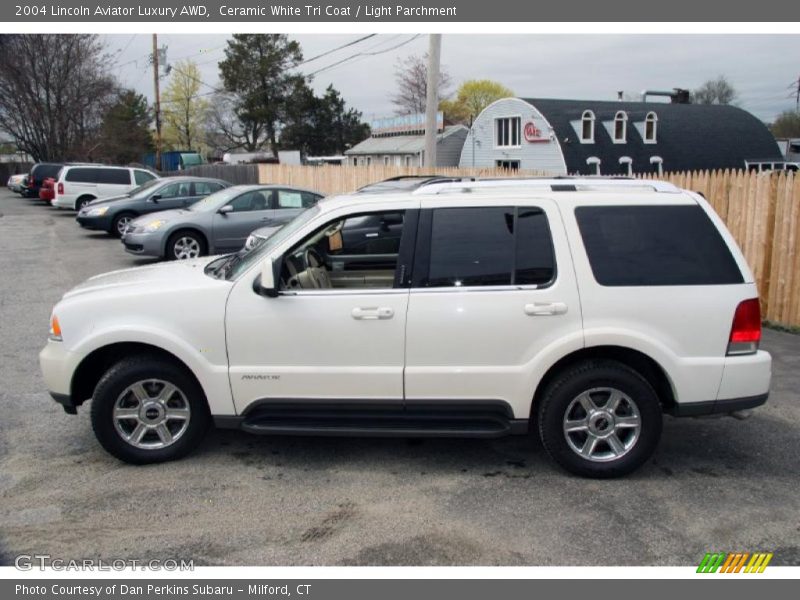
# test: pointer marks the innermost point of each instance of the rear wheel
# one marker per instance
(81, 202)
(120, 224)
(185, 245)
(600, 419)
(146, 410)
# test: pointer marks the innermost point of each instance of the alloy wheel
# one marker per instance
(602, 424)
(186, 247)
(151, 414)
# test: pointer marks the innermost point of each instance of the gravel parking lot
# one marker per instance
(714, 484)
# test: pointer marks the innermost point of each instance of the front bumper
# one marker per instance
(58, 366)
(96, 223)
(143, 244)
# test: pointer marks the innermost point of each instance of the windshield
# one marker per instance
(214, 201)
(241, 262)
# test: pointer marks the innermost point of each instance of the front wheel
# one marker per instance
(145, 410)
(600, 419)
(120, 224)
(185, 245)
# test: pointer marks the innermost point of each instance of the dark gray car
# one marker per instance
(114, 214)
(218, 224)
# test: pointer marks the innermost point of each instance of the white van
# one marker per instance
(78, 185)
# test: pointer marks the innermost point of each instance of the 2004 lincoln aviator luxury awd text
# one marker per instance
(578, 309)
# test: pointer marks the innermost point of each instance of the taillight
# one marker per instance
(746, 329)
(60, 189)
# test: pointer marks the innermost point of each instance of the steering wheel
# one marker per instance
(312, 258)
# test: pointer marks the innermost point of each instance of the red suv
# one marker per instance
(48, 190)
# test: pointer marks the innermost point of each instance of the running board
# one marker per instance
(439, 420)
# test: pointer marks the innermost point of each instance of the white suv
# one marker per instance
(578, 309)
(77, 185)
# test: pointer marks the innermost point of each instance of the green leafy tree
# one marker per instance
(471, 98)
(256, 71)
(321, 126)
(787, 125)
(184, 109)
(125, 133)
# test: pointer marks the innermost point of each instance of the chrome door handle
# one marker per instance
(545, 309)
(371, 235)
(372, 313)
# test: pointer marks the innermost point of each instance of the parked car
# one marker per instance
(76, 186)
(48, 190)
(40, 172)
(579, 310)
(17, 183)
(219, 223)
(115, 214)
(260, 235)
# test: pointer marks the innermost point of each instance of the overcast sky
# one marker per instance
(762, 68)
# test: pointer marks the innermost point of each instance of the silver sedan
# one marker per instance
(218, 224)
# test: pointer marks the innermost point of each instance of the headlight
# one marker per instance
(55, 329)
(98, 212)
(153, 225)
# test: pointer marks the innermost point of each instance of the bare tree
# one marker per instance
(411, 76)
(715, 91)
(54, 91)
(226, 131)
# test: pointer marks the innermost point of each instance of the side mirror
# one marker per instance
(224, 210)
(267, 285)
(155, 198)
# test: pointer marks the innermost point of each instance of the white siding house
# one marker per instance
(512, 133)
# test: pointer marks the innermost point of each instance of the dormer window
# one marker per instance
(627, 164)
(594, 163)
(650, 126)
(620, 127)
(587, 127)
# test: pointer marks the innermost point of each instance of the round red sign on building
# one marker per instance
(533, 133)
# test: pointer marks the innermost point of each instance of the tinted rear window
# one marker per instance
(655, 245)
(44, 171)
(99, 175)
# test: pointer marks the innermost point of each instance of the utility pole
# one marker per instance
(797, 97)
(157, 102)
(432, 98)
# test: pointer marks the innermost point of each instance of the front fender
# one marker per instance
(208, 365)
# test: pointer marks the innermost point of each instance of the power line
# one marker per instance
(363, 54)
(331, 51)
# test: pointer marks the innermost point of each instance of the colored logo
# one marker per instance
(734, 562)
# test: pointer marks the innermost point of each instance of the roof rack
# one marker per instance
(550, 184)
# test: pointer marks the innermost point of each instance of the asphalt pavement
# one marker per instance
(713, 484)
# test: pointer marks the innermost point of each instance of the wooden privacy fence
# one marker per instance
(762, 212)
(332, 179)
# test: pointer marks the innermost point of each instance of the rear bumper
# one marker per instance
(717, 407)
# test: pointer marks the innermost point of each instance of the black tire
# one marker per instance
(602, 377)
(175, 239)
(112, 389)
(117, 221)
(81, 202)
